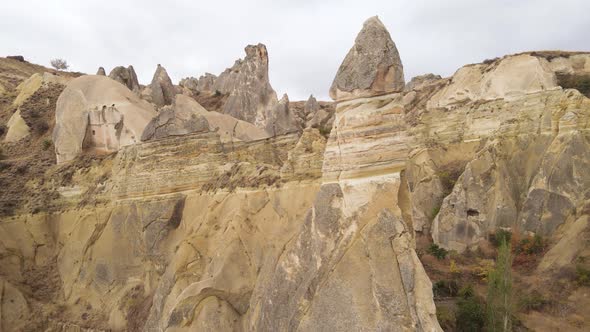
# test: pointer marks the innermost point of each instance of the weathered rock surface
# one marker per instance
(174, 122)
(248, 88)
(125, 76)
(421, 81)
(161, 91)
(212, 224)
(17, 128)
(371, 67)
(95, 112)
(282, 120)
(101, 71)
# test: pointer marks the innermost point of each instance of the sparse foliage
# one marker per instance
(500, 301)
(46, 144)
(470, 311)
(438, 252)
(59, 64)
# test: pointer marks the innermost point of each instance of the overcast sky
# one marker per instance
(306, 39)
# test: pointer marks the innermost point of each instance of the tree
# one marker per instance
(500, 301)
(59, 64)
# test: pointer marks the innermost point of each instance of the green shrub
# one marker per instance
(438, 252)
(582, 275)
(324, 131)
(531, 245)
(532, 301)
(499, 236)
(466, 291)
(47, 144)
(470, 315)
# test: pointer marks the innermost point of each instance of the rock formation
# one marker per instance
(101, 71)
(247, 86)
(161, 91)
(281, 120)
(17, 124)
(242, 91)
(210, 223)
(125, 76)
(419, 82)
(311, 106)
(371, 67)
(94, 112)
(171, 121)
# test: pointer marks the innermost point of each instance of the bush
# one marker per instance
(582, 275)
(59, 64)
(532, 301)
(499, 236)
(470, 315)
(531, 245)
(324, 131)
(438, 252)
(445, 288)
(574, 81)
(482, 270)
(466, 291)
(47, 144)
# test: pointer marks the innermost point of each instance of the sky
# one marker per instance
(306, 39)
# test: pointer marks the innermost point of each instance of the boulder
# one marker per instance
(161, 91)
(17, 128)
(125, 76)
(101, 71)
(97, 113)
(371, 67)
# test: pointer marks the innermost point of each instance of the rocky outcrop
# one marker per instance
(311, 106)
(173, 121)
(371, 67)
(97, 113)
(282, 120)
(20, 122)
(228, 128)
(161, 91)
(17, 128)
(125, 76)
(248, 88)
(420, 82)
(101, 71)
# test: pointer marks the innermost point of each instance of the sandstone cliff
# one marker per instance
(211, 222)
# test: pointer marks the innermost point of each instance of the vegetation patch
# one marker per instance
(438, 252)
(575, 81)
(470, 311)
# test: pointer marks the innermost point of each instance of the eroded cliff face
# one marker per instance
(212, 224)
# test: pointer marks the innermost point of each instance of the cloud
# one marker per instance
(307, 40)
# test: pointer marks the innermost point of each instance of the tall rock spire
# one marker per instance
(371, 67)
